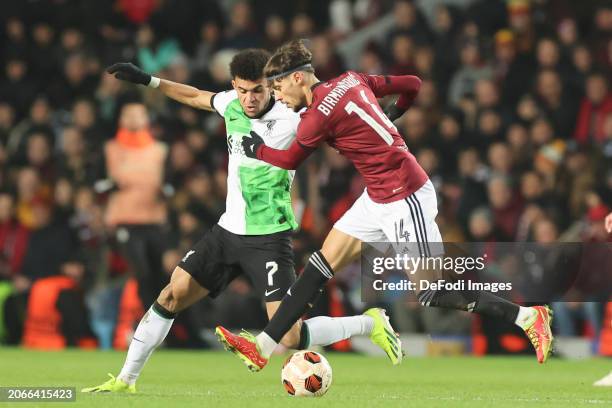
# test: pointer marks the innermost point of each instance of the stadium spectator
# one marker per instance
(471, 70)
(328, 63)
(556, 102)
(505, 205)
(241, 32)
(517, 138)
(582, 60)
(415, 128)
(500, 159)
(13, 238)
(210, 38)
(445, 28)
(76, 82)
(594, 108)
(448, 141)
(16, 39)
(520, 21)
(402, 48)
(275, 32)
(408, 22)
(51, 244)
(302, 26)
(39, 120)
(41, 54)
(155, 54)
(512, 70)
(600, 35)
(135, 212)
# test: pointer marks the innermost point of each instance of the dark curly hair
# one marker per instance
(249, 64)
(289, 56)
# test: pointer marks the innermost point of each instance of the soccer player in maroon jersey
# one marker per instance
(399, 203)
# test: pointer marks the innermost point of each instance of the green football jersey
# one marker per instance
(258, 194)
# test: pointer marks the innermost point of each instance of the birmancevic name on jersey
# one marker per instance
(258, 194)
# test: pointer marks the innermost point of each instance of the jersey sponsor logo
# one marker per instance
(187, 255)
(269, 292)
(233, 145)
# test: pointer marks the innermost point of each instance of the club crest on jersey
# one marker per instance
(269, 127)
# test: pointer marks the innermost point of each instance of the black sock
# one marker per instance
(491, 305)
(304, 337)
(481, 302)
(162, 311)
(301, 296)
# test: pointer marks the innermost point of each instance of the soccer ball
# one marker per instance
(306, 374)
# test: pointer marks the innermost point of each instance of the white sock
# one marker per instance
(526, 317)
(325, 330)
(151, 332)
(266, 344)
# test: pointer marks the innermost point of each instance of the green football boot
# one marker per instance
(112, 385)
(384, 336)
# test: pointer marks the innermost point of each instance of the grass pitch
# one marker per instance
(218, 379)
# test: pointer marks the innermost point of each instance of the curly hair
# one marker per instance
(290, 56)
(249, 64)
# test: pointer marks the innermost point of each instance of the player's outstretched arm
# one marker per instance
(182, 93)
(290, 159)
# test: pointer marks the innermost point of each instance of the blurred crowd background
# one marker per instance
(513, 124)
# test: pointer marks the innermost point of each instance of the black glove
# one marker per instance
(393, 112)
(250, 144)
(129, 72)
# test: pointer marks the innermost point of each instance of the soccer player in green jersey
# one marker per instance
(253, 236)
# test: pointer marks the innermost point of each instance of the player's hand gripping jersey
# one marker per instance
(346, 115)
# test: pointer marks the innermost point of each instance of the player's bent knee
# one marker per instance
(166, 299)
(173, 297)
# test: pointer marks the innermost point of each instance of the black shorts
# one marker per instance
(220, 256)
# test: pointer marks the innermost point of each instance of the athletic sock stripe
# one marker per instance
(320, 265)
(423, 225)
(316, 260)
(416, 226)
(320, 269)
(324, 262)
